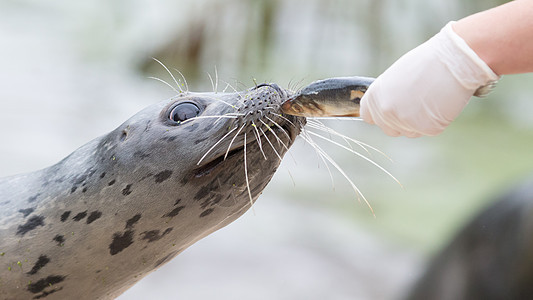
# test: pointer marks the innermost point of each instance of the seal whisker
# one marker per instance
(285, 119)
(277, 137)
(161, 80)
(240, 83)
(273, 133)
(359, 143)
(258, 139)
(277, 125)
(216, 79)
(290, 84)
(311, 142)
(358, 154)
(233, 139)
(269, 129)
(222, 101)
(171, 75)
(213, 147)
(234, 114)
(297, 86)
(332, 162)
(231, 86)
(227, 116)
(322, 127)
(246, 174)
(226, 88)
(212, 83)
(184, 80)
(271, 145)
(208, 117)
(338, 118)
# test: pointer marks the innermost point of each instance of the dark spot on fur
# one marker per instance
(206, 212)
(41, 262)
(80, 179)
(65, 215)
(162, 176)
(26, 212)
(177, 202)
(98, 271)
(73, 189)
(79, 216)
(59, 239)
(133, 221)
(146, 176)
(174, 212)
(124, 135)
(112, 182)
(45, 294)
(141, 155)
(94, 216)
(127, 190)
(102, 175)
(200, 140)
(31, 224)
(43, 283)
(153, 235)
(166, 259)
(202, 193)
(121, 241)
(147, 125)
(170, 138)
(84, 190)
(211, 201)
(33, 198)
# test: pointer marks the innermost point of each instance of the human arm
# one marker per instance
(428, 87)
(501, 36)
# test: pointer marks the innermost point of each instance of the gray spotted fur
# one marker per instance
(127, 202)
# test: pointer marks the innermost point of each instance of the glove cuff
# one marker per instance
(465, 65)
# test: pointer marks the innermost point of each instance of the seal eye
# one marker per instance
(184, 111)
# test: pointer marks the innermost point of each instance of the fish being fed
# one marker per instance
(331, 97)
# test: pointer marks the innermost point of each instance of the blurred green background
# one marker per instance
(71, 71)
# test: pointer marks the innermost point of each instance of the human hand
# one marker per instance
(427, 88)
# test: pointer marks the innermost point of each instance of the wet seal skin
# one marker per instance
(129, 201)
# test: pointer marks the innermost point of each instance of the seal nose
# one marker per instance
(281, 92)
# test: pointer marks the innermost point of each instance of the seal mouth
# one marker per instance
(208, 167)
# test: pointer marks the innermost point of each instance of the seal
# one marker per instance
(490, 257)
(129, 201)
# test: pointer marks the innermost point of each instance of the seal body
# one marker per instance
(490, 258)
(127, 202)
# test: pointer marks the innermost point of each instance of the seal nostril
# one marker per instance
(124, 135)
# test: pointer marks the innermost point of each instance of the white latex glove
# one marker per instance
(427, 88)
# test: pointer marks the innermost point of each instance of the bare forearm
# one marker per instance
(502, 36)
